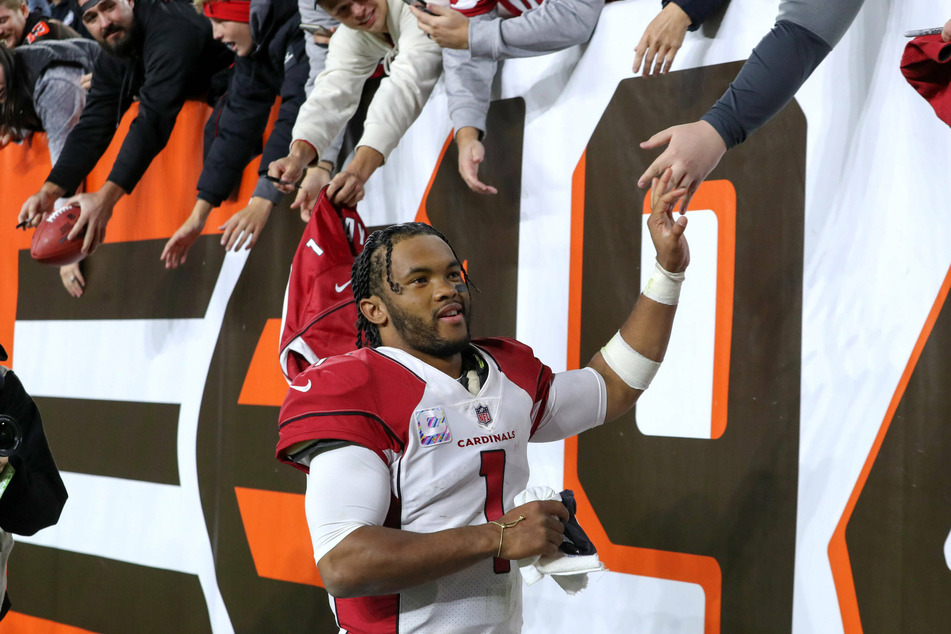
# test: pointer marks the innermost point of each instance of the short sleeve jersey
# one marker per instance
(454, 459)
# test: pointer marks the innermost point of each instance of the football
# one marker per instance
(50, 245)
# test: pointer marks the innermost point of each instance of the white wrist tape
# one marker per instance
(664, 287)
(634, 368)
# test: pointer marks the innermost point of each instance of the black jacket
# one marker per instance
(278, 66)
(175, 60)
(35, 496)
(39, 28)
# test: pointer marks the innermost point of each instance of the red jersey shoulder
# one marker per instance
(361, 397)
(360, 381)
(519, 363)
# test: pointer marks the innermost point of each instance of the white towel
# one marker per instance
(569, 571)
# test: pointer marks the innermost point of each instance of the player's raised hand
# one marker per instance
(693, 150)
(540, 532)
(446, 27)
(667, 234)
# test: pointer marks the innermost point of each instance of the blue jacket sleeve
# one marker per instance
(805, 32)
(293, 95)
(238, 130)
(778, 66)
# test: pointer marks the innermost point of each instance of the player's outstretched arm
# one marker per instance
(628, 362)
(359, 557)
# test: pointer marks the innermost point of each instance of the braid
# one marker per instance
(372, 267)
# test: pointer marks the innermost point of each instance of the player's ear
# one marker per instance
(374, 310)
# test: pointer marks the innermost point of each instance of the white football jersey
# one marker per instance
(454, 460)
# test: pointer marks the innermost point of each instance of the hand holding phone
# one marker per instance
(419, 5)
(316, 29)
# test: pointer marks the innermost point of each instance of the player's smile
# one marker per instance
(453, 313)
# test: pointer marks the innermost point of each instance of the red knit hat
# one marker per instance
(926, 66)
(229, 10)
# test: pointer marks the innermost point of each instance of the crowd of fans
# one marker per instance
(351, 76)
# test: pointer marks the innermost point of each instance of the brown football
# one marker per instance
(50, 245)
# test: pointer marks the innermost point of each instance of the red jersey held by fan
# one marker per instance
(319, 315)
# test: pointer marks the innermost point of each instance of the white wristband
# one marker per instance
(634, 368)
(664, 287)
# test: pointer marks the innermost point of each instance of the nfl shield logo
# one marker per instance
(483, 415)
(433, 427)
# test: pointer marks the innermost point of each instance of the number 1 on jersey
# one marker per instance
(493, 470)
(313, 245)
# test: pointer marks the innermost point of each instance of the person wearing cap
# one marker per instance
(159, 53)
(371, 31)
(270, 62)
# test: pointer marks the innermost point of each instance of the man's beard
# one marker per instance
(425, 338)
(125, 47)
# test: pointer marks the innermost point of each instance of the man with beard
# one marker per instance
(160, 53)
(416, 443)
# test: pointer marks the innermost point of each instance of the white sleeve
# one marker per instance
(347, 488)
(404, 91)
(351, 59)
(577, 400)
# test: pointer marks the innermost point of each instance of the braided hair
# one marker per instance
(373, 266)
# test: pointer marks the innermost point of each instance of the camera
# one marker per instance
(10, 436)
